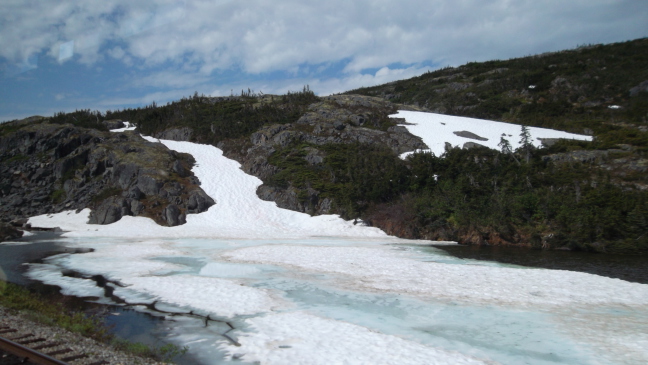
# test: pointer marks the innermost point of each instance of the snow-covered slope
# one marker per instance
(238, 213)
(438, 129)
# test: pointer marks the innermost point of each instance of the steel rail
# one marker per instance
(33, 356)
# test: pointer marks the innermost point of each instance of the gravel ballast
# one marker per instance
(96, 351)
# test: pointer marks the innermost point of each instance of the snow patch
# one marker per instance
(437, 129)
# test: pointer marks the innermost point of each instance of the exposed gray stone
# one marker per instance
(314, 156)
(176, 134)
(47, 168)
(199, 202)
(172, 188)
(179, 169)
(642, 87)
(471, 135)
(136, 207)
(469, 145)
(135, 193)
(173, 216)
(114, 123)
(149, 185)
(109, 211)
(19, 222)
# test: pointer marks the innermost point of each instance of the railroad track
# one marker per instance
(18, 347)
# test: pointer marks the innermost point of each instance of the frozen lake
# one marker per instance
(247, 281)
(340, 300)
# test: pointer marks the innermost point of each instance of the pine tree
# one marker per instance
(504, 145)
(525, 143)
(506, 148)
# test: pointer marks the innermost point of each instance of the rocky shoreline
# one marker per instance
(97, 351)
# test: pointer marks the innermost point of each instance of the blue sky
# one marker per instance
(61, 56)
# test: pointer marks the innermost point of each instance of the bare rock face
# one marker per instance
(114, 124)
(176, 134)
(110, 210)
(199, 202)
(469, 145)
(48, 168)
(173, 216)
(642, 87)
(471, 135)
(289, 198)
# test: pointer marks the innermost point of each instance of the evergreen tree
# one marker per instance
(504, 145)
(506, 148)
(525, 143)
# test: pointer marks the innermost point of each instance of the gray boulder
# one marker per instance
(199, 202)
(172, 215)
(114, 124)
(109, 211)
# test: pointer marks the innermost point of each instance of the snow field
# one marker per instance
(437, 129)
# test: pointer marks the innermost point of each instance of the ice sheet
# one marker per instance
(437, 129)
(382, 269)
(290, 338)
(51, 275)
(217, 297)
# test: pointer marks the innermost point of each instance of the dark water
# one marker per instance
(12, 257)
(125, 322)
(629, 268)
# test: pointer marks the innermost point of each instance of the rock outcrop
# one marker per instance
(48, 168)
(338, 119)
(176, 134)
(9, 232)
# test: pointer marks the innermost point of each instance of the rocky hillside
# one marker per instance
(339, 154)
(589, 90)
(270, 152)
(599, 90)
(47, 168)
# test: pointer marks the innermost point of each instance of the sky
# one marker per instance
(111, 54)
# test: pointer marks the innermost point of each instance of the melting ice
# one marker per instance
(275, 286)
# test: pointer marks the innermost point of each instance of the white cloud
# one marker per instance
(261, 36)
(192, 44)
